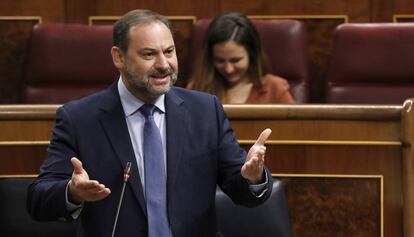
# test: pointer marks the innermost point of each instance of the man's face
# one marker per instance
(149, 68)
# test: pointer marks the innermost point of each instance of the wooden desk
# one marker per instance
(347, 170)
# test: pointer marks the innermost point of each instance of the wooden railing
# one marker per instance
(347, 169)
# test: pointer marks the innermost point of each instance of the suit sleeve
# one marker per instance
(231, 159)
(46, 200)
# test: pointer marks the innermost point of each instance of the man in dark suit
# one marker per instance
(95, 137)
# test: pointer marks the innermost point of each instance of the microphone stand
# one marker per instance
(127, 173)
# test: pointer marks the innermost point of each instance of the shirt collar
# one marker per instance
(131, 104)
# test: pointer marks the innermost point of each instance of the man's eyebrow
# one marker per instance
(153, 49)
(147, 49)
(171, 47)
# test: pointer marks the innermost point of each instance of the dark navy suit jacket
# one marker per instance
(201, 152)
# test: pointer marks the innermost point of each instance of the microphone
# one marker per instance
(127, 173)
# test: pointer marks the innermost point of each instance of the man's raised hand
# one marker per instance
(253, 168)
(81, 188)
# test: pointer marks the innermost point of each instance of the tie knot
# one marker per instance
(147, 110)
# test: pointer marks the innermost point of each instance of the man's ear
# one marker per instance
(117, 57)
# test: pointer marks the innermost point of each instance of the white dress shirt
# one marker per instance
(135, 122)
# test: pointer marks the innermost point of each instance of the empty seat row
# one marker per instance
(67, 61)
(370, 63)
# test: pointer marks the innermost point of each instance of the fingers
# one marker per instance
(255, 163)
(253, 168)
(77, 165)
(263, 137)
(88, 185)
(89, 190)
(257, 159)
(83, 189)
(96, 193)
(93, 191)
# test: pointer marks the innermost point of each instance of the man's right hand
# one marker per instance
(81, 188)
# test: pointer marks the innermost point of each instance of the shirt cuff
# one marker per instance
(73, 209)
(259, 190)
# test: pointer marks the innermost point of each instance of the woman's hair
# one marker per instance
(227, 27)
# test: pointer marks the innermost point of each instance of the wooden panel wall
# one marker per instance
(347, 170)
(343, 161)
(15, 32)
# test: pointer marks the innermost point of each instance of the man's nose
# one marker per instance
(161, 62)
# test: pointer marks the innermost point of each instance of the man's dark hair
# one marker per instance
(132, 18)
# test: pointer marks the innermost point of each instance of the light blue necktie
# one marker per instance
(155, 176)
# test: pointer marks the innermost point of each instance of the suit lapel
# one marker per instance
(176, 120)
(114, 124)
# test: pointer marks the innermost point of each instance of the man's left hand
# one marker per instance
(253, 168)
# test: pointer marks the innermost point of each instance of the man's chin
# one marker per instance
(160, 86)
(158, 90)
